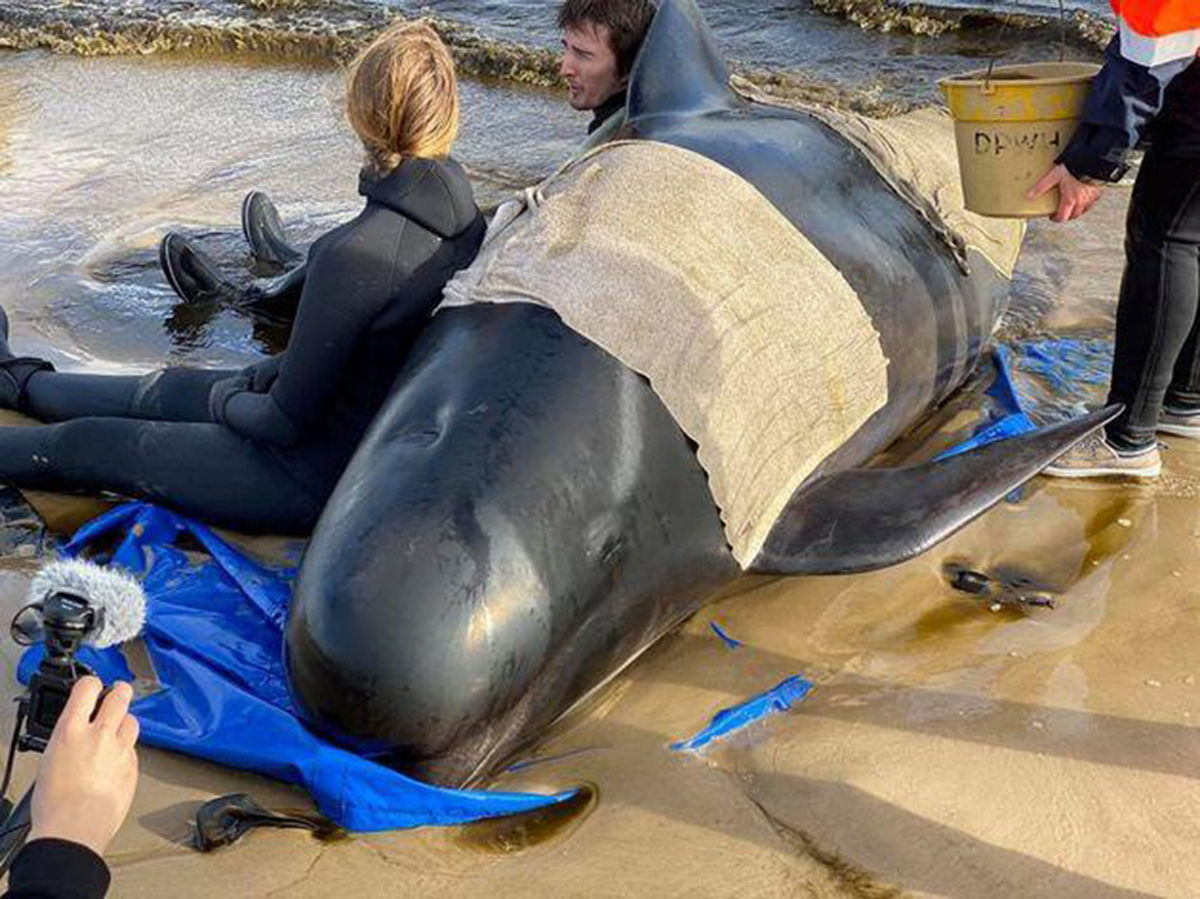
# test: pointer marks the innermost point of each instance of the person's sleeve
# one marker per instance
(1124, 99)
(57, 869)
(343, 293)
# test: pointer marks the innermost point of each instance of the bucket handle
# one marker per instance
(988, 88)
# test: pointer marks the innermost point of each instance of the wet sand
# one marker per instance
(948, 749)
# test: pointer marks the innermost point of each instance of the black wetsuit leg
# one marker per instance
(203, 470)
(151, 437)
(170, 394)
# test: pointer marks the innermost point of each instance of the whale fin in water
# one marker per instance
(869, 518)
(679, 69)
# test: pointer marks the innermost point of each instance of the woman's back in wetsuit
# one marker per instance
(261, 449)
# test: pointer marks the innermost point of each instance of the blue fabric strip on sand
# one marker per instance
(778, 699)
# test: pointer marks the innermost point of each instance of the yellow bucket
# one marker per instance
(1010, 125)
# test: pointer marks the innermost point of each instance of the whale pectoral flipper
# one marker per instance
(864, 519)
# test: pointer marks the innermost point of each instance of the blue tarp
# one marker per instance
(1058, 377)
(1006, 415)
(778, 699)
(730, 642)
(214, 633)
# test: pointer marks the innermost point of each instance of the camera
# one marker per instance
(67, 620)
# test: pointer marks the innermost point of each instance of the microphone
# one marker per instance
(119, 595)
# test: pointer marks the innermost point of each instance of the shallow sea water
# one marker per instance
(102, 155)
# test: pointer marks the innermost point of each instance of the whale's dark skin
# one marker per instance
(525, 517)
(492, 576)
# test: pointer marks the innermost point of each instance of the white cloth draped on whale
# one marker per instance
(683, 271)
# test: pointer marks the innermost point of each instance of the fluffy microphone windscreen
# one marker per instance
(120, 595)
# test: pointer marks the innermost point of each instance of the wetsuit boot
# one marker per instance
(195, 278)
(277, 297)
(264, 231)
(15, 372)
(191, 273)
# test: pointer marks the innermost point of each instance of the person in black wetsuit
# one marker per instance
(601, 40)
(86, 781)
(261, 449)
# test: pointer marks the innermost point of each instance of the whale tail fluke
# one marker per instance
(869, 518)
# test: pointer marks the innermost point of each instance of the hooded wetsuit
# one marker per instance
(261, 449)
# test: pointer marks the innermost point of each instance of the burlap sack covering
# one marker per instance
(679, 268)
(915, 153)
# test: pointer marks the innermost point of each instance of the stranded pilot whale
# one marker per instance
(526, 515)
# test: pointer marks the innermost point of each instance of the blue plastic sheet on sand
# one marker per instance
(1066, 363)
(730, 642)
(214, 633)
(779, 698)
(1061, 377)
(1007, 417)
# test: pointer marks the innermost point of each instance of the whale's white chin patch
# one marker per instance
(757, 345)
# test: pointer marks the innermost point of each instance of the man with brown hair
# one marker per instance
(601, 39)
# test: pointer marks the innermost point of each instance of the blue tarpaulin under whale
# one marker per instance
(214, 634)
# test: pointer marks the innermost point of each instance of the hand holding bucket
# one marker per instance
(1010, 125)
(1075, 197)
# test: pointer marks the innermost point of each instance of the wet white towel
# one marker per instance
(681, 269)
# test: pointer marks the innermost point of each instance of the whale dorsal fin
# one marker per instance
(679, 68)
(865, 519)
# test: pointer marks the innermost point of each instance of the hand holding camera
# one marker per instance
(88, 776)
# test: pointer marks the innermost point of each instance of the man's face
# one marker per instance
(589, 66)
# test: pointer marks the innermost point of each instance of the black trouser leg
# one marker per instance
(1160, 295)
(171, 394)
(206, 471)
(1184, 393)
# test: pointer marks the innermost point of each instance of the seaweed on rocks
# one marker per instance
(310, 30)
(881, 15)
(332, 31)
(482, 57)
(920, 19)
(794, 87)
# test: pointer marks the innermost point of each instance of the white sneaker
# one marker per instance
(1181, 424)
(1095, 457)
